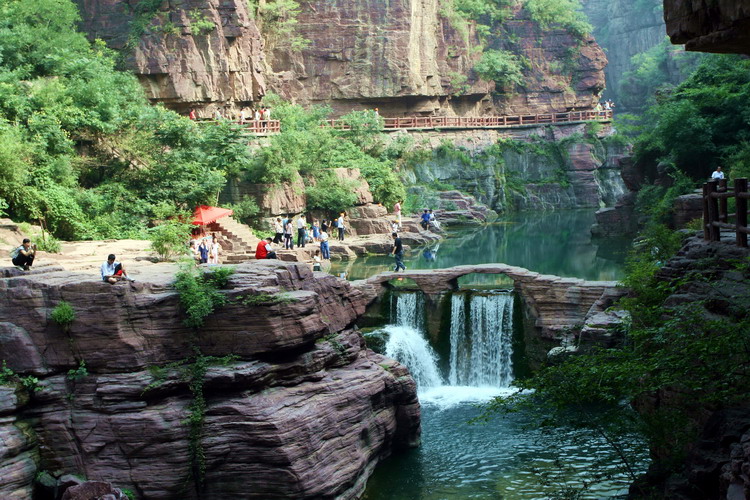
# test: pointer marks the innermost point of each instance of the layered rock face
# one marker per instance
(405, 57)
(201, 53)
(709, 25)
(301, 409)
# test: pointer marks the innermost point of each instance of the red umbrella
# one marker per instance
(206, 215)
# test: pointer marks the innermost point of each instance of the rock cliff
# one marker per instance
(709, 25)
(405, 56)
(299, 409)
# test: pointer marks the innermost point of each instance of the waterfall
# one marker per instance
(481, 331)
(409, 347)
(481, 345)
(407, 309)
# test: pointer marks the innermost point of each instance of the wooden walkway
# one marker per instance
(269, 127)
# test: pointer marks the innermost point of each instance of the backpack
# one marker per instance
(14, 253)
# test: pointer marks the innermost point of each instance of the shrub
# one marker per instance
(76, 374)
(198, 295)
(565, 13)
(331, 194)
(501, 66)
(170, 238)
(63, 314)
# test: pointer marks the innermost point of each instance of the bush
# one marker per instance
(331, 194)
(566, 13)
(246, 211)
(198, 295)
(169, 239)
(63, 314)
(501, 66)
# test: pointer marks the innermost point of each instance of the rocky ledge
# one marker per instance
(295, 405)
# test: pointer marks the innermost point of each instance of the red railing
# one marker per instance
(440, 122)
(262, 127)
(715, 207)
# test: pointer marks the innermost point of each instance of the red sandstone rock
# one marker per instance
(305, 411)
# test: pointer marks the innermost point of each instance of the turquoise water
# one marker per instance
(557, 243)
(506, 457)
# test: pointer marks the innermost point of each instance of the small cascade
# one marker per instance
(481, 344)
(409, 347)
(407, 309)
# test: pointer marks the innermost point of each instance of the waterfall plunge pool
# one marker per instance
(469, 362)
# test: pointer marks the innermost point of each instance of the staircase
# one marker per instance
(237, 241)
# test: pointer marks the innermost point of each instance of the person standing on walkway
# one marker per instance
(215, 249)
(717, 174)
(301, 230)
(398, 253)
(340, 226)
(397, 211)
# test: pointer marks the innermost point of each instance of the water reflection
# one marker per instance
(549, 243)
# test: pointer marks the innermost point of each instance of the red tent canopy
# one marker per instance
(206, 215)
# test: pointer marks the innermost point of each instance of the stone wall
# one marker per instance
(709, 25)
(301, 410)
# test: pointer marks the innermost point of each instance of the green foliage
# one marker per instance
(63, 314)
(246, 211)
(76, 374)
(199, 24)
(198, 291)
(196, 417)
(501, 66)
(652, 72)
(701, 123)
(364, 129)
(9, 377)
(331, 194)
(567, 14)
(279, 24)
(169, 239)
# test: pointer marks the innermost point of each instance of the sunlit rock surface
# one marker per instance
(301, 410)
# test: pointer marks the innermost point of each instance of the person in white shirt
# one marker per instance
(717, 174)
(324, 249)
(112, 271)
(215, 249)
(340, 226)
(301, 231)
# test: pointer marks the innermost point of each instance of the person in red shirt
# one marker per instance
(264, 250)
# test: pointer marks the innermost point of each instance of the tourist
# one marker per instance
(264, 250)
(112, 271)
(203, 250)
(324, 226)
(195, 252)
(315, 230)
(23, 256)
(192, 114)
(288, 231)
(397, 211)
(278, 229)
(717, 174)
(243, 116)
(433, 221)
(217, 115)
(425, 219)
(301, 230)
(317, 262)
(395, 226)
(266, 113)
(398, 253)
(340, 226)
(257, 116)
(598, 107)
(607, 107)
(213, 257)
(324, 249)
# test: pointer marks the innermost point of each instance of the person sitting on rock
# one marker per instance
(112, 271)
(264, 250)
(425, 222)
(23, 256)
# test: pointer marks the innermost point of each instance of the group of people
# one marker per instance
(608, 105)
(205, 249)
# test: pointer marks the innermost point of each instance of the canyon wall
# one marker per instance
(709, 25)
(404, 57)
(294, 405)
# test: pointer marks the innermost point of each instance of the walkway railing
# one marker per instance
(716, 195)
(441, 122)
(264, 127)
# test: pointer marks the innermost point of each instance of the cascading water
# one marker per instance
(481, 348)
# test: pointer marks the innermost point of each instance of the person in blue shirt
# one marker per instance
(425, 219)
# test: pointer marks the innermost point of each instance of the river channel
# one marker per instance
(471, 361)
